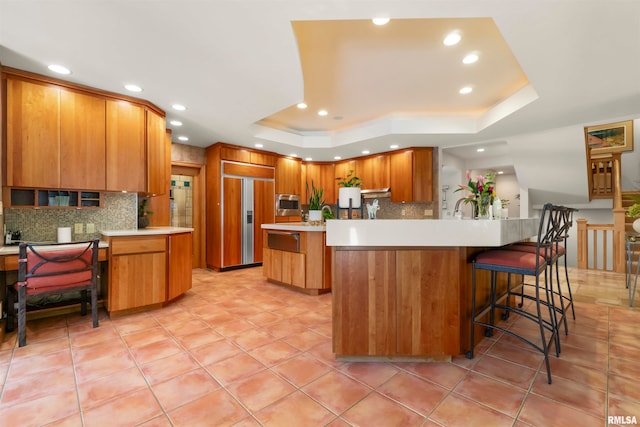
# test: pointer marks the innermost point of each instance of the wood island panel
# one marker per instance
(364, 303)
(405, 302)
(428, 317)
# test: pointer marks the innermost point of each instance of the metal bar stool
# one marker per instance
(560, 222)
(526, 264)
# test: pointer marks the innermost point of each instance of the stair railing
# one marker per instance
(594, 239)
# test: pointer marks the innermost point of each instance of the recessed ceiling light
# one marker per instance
(480, 150)
(452, 38)
(183, 138)
(308, 159)
(337, 158)
(380, 21)
(500, 172)
(323, 113)
(178, 107)
(302, 105)
(176, 122)
(59, 69)
(394, 146)
(465, 90)
(133, 88)
(259, 145)
(365, 151)
(470, 58)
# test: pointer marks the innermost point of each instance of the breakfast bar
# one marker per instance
(402, 288)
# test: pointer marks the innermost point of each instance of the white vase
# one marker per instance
(346, 193)
(636, 225)
(315, 215)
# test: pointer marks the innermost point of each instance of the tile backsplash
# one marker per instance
(390, 210)
(119, 212)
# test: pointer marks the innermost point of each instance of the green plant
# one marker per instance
(315, 197)
(350, 180)
(142, 208)
(634, 210)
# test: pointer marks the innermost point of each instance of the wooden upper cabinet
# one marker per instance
(126, 157)
(264, 159)
(33, 135)
(158, 165)
(82, 141)
(412, 175)
(288, 176)
(422, 175)
(323, 176)
(401, 176)
(235, 154)
(373, 171)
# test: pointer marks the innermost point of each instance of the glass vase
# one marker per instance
(483, 203)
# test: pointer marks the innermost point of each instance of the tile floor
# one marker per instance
(238, 351)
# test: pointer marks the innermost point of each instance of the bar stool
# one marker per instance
(561, 221)
(526, 264)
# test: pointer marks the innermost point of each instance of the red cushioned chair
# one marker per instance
(531, 264)
(53, 269)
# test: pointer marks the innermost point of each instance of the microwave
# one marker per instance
(288, 205)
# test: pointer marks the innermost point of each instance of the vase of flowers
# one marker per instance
(481, 193)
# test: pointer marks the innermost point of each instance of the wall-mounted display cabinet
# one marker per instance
(38, 198)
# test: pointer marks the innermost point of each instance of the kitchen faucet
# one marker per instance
(474, 207)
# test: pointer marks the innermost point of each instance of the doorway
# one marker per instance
(188, 204)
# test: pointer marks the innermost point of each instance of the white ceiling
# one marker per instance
(235, 63)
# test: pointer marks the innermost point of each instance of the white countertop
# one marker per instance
(146, 231)
(430, 232)
(13, 250)
(293, 226)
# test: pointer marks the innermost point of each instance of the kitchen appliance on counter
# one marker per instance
(288, 205)
(12, 238)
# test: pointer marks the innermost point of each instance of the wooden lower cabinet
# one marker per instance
(309, 269)
(137, 272)
(180, 264)
(285, 267)
(146, 271)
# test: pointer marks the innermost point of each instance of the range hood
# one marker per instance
(376, 193)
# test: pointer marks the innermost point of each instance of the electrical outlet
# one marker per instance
(428, 212)
(91, 228)
(402, 212)
(79, 228)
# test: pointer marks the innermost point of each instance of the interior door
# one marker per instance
(232, 221)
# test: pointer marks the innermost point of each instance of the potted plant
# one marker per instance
(349, 189)
(143, 213)
(316, 202)
(633, 211)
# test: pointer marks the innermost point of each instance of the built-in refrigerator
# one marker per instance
(247, 203)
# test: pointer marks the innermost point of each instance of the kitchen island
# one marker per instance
(147, 267)
(295, 255)
(401, 289)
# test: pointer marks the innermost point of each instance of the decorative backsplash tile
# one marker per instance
(388, 210)
(119, 212)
